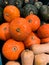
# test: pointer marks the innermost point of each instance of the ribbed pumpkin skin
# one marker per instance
(29, 9)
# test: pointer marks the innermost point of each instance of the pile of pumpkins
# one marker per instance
(24, 26)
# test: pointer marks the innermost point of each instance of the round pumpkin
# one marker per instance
(19, 29)
(34, 21)
(11, 49)
(4, 31)
(10, 12)
(43, 31)
(31, 40)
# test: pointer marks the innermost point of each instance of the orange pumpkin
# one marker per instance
(34, 21)
(19, 29)
(10, 12)
(31, 40)
(43, 31)
(12, 49)
(4, 31)
(45, 40)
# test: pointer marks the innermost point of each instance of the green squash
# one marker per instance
(38, 4)
(44, 12)
(28, 2)
(17, 3)
(29, 9)
(8, 2)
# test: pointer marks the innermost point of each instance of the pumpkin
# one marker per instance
(34, 21)
(20, 29)
(10, 12)
(4, 31)
(43, 31)
(12, 49)
(38, 4)
(29, 9)
(31, 40)
(44, 12)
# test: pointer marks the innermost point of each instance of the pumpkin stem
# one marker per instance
(7, 14)
(14, 48)
(32, 37)
(18, 29)
(30, 20)
(5, 28)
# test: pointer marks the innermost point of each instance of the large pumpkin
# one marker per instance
(19, 29)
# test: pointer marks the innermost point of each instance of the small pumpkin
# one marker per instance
(38, 4)
(4, 31)
(10, 12)
(44, 12)
(29, 9)
(43, 31)
(12, 49)
(31, 40)
(20, 29)
(34, 21)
